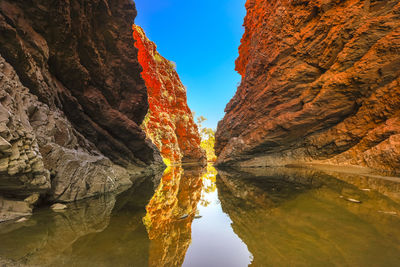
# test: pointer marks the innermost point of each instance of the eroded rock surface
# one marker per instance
(169, 122)
(45, 150)
(78, 56)
(71, 99)
(320, 84)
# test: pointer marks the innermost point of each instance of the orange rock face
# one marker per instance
(169, 122)
(320, 84)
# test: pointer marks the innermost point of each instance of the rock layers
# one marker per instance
(320, 84)
(169, 122)
(45, 152)
(71, 99)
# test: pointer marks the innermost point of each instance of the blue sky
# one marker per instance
(202, 37)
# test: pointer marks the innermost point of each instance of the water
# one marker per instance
(196, 217)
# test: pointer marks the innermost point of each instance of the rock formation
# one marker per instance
(321, 83)
(71, 99)
(169, 122)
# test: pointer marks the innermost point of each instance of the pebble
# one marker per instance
(22, 220)
(58, 206)
(351, 200)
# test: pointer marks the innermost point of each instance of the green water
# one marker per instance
(201, 217)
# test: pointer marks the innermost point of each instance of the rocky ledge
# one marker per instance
(321, 84)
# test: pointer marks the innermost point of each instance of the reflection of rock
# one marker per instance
(170, 214)
(296, 217)
(169, 122)
(13, 209)
(124, 242)
(103, 231)
(47, 234)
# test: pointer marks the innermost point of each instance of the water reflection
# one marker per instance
(198, 217)
(297, 217)
(214, 243)
(170, 214)
(47, 235)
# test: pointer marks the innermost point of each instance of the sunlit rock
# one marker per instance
(169, 122)
(320, 83)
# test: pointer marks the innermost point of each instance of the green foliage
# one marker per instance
(167, 162)
(158, 58)
(146, 120)
(200, 120)
(172, 64)
(207, 139)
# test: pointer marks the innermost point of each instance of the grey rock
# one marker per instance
(36, 141)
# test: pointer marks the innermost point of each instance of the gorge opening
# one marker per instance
(165, 133)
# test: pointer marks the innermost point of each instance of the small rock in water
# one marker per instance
(353, 200)
(58, 206)
(23, 219)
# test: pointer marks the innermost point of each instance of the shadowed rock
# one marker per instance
(71, 99)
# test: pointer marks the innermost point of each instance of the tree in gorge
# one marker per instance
(207, 139)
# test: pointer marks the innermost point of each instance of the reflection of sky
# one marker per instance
(202, 37)
(214, 242)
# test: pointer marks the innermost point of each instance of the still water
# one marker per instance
(201, 217)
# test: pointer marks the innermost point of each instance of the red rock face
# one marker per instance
(320, 84)
(169, 122)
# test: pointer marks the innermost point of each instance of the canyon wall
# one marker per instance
(320, 83)
(169, 122)
(71, 99)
